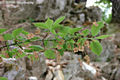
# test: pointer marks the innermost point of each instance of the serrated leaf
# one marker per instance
(56, 26)
(49, 22)
(59, 20)
(96, 29)
(64, 29)
(85, 32)
(100, 24)
(49, 54)
(41, 25)
(16, 32)
(7, 36)
(103, 36)
(36, 47)
(96, 47)
(73, 30)
(25, 32)
(52, 31)
(2, 30)
(81, 41)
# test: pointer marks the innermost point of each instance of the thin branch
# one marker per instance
(16, 43)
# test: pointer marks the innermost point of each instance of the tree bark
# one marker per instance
(115, 11)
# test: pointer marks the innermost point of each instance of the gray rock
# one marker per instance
(81, 18)
(73, 70)
(23, 68)
(108, 50)
(117, 76)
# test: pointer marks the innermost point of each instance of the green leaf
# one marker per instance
(100, 24)
(16, 32)
(56, 26)
(52, 31)
(2, 30)
(73, 30)
(28, 50)
(49, 22)
(49, 54)
(25, 32)
(7, 36)
(41, 25)
(3, 78)
(96, 47)
(61, 51)
(64, 29)
(59, 20)
(34, 38)
(85, 32)
(103, 36)
(96, 29)
(36, 47)
(21, 55)
(81, 41)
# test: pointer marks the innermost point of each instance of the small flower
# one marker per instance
(31, 35)
(61, 42)
(59, 47)
(35, 54)
(76, 49)
(81, 48)
(20, 51)
(87, 59)
(69, 46)
(87, 44)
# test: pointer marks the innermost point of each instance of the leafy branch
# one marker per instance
(64, 38)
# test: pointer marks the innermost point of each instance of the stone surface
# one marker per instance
(22, 69)
(73, 70)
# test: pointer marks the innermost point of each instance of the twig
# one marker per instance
(24, 42)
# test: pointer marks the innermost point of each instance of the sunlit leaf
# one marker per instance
(59, 20)
(50, 54)
(96, 47)
(16, 32)
(2, 30)
(41, 25)
(49, 22)
(7, 36)
(103, 36)
(85, 32)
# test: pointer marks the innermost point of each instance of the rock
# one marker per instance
(39, 1)
(1, 68)
(32, 78)
(108, 51)
(117, 76)
(22, 69)
(97, 13)
(61, 4)
(74, 71)
(49, 76)
(38, 67)
(82, 18)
